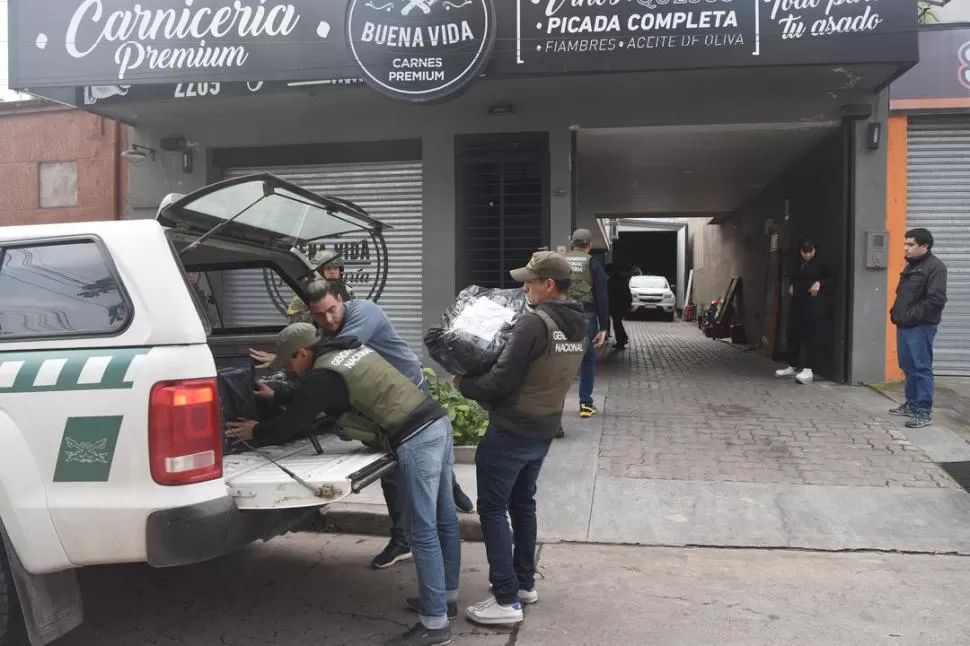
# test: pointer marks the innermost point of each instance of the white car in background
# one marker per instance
(652, 294)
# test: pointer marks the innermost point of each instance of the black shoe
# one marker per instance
(421, 636)
(462, 501)
(619, 346)
(561, 433)
(414, 604)
(920, 419)
(902, 411)
(392, 554)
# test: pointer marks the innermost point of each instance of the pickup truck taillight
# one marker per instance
(184, 432)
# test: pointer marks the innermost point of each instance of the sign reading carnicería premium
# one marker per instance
(420, 50)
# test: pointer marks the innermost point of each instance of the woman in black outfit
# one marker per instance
(806, 315)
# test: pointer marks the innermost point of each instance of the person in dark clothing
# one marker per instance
(920, 299)
(588, 286)
(618, 287)
(525, 392)
(806, 316)
(375, 403)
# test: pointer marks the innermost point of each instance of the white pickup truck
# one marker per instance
(111, 434)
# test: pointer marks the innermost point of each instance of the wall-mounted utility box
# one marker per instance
(877, 249)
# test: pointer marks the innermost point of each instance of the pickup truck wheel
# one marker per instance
(12, 629)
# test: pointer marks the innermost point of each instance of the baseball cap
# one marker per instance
(582, 236)
(292, 338)
(543, 264)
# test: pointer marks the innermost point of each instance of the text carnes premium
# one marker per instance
(417, 37)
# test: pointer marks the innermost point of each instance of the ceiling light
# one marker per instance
(137, 154)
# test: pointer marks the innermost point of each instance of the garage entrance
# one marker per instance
(720, 202)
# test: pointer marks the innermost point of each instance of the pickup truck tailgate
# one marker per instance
(343, 468)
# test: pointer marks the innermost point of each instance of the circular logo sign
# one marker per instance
(420, 50)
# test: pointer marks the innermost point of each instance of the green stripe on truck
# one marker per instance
(66, 370)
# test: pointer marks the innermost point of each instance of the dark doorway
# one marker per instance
(654, 252)
(502, 204)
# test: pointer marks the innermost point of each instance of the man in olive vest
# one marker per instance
(366, 322)
(525, 392)
(589, 287)
(376, 404)
(330, 266)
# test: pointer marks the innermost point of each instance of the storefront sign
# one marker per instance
(941, 80)
(420, 50)
(105, 42)
(629, 35)
(428, 49)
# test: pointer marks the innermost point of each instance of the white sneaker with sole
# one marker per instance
(806, 377)
(528, 597)
(490, 613)
(785, 372)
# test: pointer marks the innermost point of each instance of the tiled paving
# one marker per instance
(680, 406)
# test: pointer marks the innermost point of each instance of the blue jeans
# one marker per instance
(392, 496)
(914, 345)
(425, 470)
(507, 466)
(587, 373)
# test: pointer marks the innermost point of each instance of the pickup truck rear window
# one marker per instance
(60, 289)
(242, 299)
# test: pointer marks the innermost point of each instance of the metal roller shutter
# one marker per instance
(390, 192)
(939, 199)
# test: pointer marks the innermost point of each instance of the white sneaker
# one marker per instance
(528, 597)
(785, 372)
(490, 613)
(806, 377)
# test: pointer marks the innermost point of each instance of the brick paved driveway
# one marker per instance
(680, 406)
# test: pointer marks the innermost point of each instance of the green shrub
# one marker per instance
(467, 417)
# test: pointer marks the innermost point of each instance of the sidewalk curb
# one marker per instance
(372, 520)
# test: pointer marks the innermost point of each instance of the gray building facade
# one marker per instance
(482, 130)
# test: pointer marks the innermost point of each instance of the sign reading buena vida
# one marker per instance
(421, 50)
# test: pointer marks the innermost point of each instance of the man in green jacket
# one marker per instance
(589, 287)
(376, 404)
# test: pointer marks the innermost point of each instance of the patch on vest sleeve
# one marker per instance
(562, 345)
(349, 358)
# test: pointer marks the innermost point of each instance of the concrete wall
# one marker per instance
(79, 153)
(813, 191)
(551, 105)
(870, 301)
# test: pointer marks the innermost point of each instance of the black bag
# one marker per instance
(473, 332)
(237, 400)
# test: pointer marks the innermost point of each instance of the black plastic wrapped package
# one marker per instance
(237, 400)
(473, 332)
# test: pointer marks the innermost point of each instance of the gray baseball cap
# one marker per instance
(582, 236)
(292, 338)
